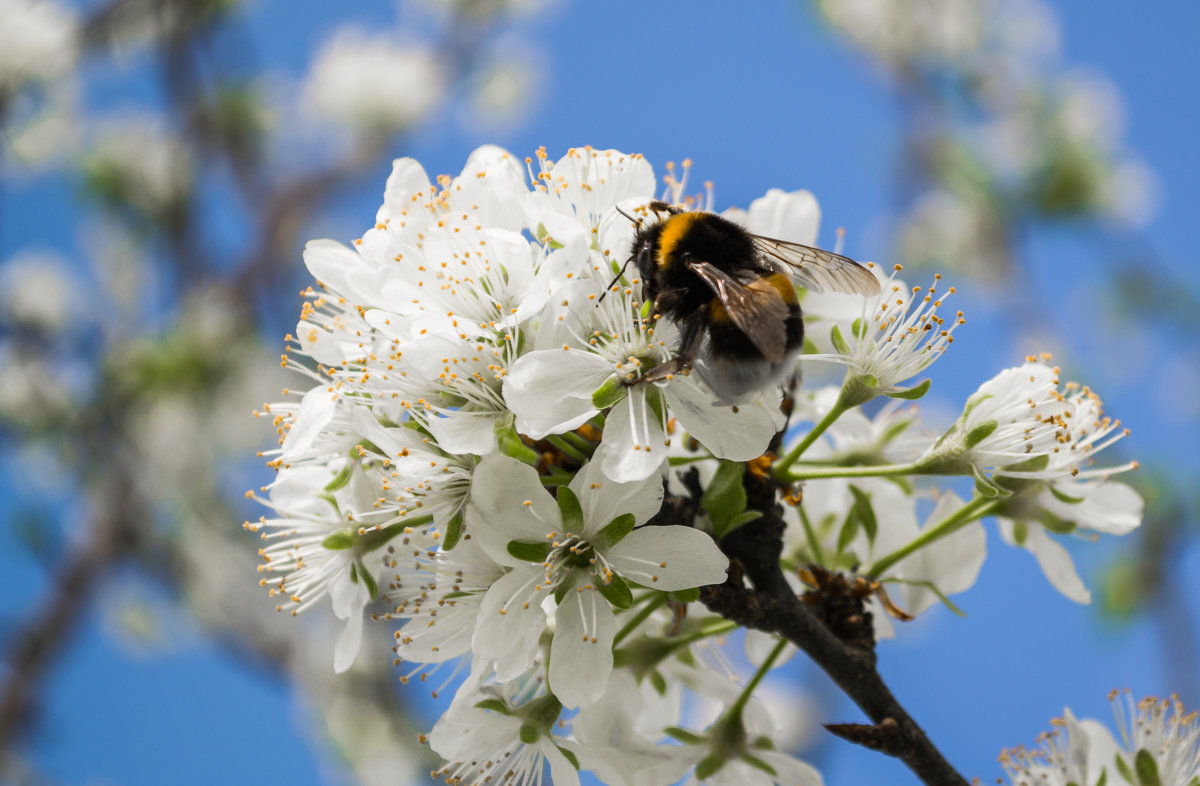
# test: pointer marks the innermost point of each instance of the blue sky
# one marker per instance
(761, 98)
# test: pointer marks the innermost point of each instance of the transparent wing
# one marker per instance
(755, 307)
(818, 270)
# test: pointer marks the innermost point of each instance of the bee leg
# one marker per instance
(689, 347)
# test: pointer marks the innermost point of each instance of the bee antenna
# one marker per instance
(636, 221)
(616, 278)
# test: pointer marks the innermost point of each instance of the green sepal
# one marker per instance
(530, 733)
(572, 511)
(725, 496)
(614, 531)
(1020, 531)
(1103, 779)
(529, 552)
(809, 347)
(454, 531)
(341, 479)
(339, 541)
(495, 705)
(759, 764)
(616, 592)
(709, 766)
(368, 446)
(368, 580)
(510, 443)
(1146, 768)
(543, 237)
(683, 735)
(913, 393)
(609, 393)
(565, 586)
(980, 433)
(685, 596)
(839, 343)
(985, 486)
(1064, 498)
(866, 514)
(658, 682)
(929, 585)
(1123, 768)
(569, 756)
(858, 329)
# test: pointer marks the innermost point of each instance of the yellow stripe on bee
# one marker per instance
(781, 284)
(674, 228)
(717, 313)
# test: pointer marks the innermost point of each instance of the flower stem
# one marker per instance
(976, 509)
(638, 618)
(834, 471)
(780, 470)
(735, 709)
(568, 449)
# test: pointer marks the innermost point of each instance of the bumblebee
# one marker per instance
(733, 296)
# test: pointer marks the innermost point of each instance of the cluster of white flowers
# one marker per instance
(1160, 744)
(476, 444)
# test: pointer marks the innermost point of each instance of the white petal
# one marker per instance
(737, 433)
(462, 432)
(550, 390)
(498, 512)
(603, 500)
(794, 217)
(581, 654)
(1110, 507)
(407, 178)
(349, 599)
(316, 410)
(562, 771)
(669, 558)
(633, 447)
(346, 272)
(1054, 560)
(510, 621)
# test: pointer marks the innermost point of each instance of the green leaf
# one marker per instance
(609, 393)
(725, 497)
(913, 393)
(529, 552)
(866, 513)
(342, 478)
(614, 532)
(572, 512)
(848, 532)
(339, 541)
(980, 433)
(1146, 768)
(454, 531)
(839, 343)
(616, 592)
(745, 517)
